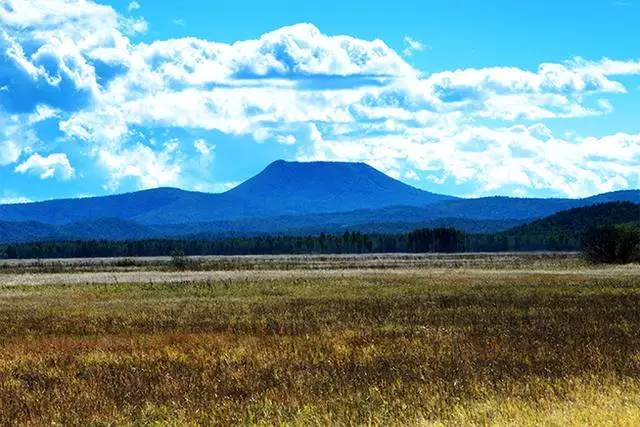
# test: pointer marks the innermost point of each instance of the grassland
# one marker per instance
(468, 340)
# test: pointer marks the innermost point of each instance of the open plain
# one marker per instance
(474, 339)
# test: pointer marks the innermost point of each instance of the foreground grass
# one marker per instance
(404, 347)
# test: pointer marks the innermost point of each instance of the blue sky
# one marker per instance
(459, 97)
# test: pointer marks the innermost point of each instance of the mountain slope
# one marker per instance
(294, 188)
(66, 211)
(14, 232)
(561, 231)
(283, 188)
(578, 220)
(330, 187)
(117, 229)
(288, 197)
(497, 208)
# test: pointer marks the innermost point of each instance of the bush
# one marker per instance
(126, 262)
(611, 244)
(179, 260)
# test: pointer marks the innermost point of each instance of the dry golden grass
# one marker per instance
(399, 347)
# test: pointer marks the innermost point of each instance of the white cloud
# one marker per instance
(282, 78)
(43, 112)
(503, 160)
(412, 175)
(334, 97)
(14, 200)
(133, 6)
(286, 139)
(608, 66)
(216, 187)
(47, 167)
(411, 46)
(140, 162)
(9, 152)
(133, 26)
(203, 147)
(17, 136)
(63, 40)
(8, 197)
(553, 91)
(175, 93)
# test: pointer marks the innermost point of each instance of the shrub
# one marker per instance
(179, 260)
(611, 244)
(125, 262)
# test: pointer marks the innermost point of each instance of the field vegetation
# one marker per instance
(509, 339)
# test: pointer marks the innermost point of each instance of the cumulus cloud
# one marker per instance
(47, 167)
(151, 168)
(334, 96)
(54, 52)
(552, 91)
(134, 5)
(508, 160)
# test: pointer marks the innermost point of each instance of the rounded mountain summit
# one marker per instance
(306, 187)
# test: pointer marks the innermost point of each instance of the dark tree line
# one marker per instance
(603, 244)
(439, 240)
(446, 240)
(615, 244)
(348, 242)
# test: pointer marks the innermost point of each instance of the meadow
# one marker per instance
(474, 339)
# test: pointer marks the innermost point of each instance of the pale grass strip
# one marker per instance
(80, 278)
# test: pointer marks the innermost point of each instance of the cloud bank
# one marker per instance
(334, 97)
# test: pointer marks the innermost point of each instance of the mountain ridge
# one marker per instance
(282, 188)
(286, 197)
(564, 230)
(561, 230)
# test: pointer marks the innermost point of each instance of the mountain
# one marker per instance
(295, 188)
(100, 229)
(508, 208)
(388, 220)
(560, 232)
(563, 230)
(117, 229)
(66, 211)
(108, 229)
(285, 198)
(283, 188)
(14, 232)
(299, 188)
(578, 220)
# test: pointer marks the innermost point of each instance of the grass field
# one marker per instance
(434, 340)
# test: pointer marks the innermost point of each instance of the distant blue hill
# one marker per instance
(297, 187)
(117, 229)
(283, 188)
(285, 198)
